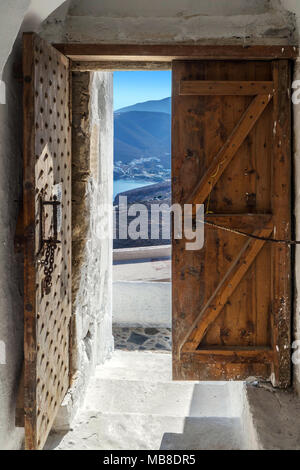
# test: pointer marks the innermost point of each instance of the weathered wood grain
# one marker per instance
(47, 163)
(227, 286)
(281, 208)
(224, 156)
(162, 52)
(225, 326)
(232, 88)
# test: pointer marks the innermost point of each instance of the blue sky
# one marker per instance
(136, 87)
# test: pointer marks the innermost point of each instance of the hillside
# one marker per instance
(142, 141)
(159, 193)
(142, 134)
(157, 106)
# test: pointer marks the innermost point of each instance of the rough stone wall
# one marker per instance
(270, 418)
(92, 192)
(184, 21)
(103, 116)
(92, 175)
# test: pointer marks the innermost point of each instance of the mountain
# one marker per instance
(142, 151)
(142, 135)
(158, 106)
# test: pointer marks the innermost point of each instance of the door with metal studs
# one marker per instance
(47, 233)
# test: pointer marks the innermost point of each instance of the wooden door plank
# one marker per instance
(211, 87)
(30, 341)
(221, 161)
(245, 223)
(281, 208)
(235, 355)
(225, 288)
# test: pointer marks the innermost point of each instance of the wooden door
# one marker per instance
(47, 230)
(231, 151)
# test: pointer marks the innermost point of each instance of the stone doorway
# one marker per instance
(236, 394)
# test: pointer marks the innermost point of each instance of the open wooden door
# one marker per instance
(47, 231)
(231, 151)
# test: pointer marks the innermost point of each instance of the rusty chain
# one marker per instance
(48, 264)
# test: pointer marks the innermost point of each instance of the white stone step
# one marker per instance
(141, 365)
(159, 398)
(105, 431)
(132, 403)
(137, 365)
(141, 382)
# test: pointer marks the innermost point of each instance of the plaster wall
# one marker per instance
(11, 269)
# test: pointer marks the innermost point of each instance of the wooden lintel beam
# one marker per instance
(112, 65)
(79, 51)
(222, 88)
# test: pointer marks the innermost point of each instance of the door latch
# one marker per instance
(48, 245)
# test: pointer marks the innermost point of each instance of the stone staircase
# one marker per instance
(133, 404)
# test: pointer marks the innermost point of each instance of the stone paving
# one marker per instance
(142, 339)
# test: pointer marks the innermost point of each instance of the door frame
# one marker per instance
(78, 52)
(109, 57)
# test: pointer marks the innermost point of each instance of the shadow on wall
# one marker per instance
(204, 434)
(54, 440)
(213, 421)
(11, 268)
